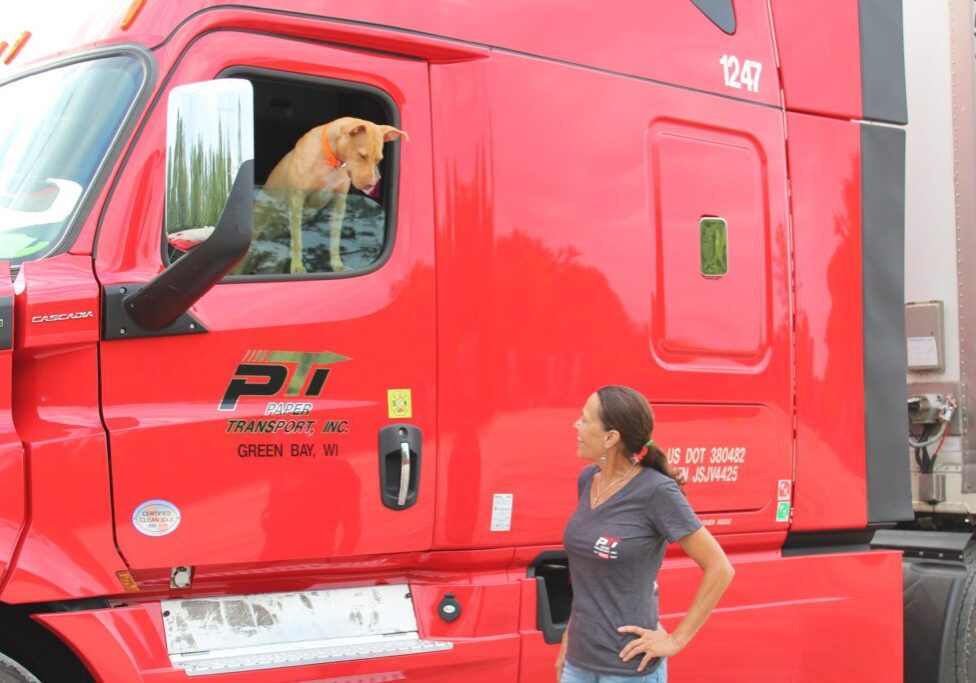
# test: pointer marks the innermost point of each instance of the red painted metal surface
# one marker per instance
(851, 606)
(830, 462)
(12, 481)
(670, 41)
(66, 550)
(473, 567)
(551, 278)
(820, 56)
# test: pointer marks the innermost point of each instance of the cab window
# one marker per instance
(325, 180)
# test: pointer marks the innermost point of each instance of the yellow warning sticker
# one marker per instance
(399, 404)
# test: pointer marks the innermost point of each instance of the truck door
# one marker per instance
(11, 449)
(261, 429)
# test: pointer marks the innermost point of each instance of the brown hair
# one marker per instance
(628, 412)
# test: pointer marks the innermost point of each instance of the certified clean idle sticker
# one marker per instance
(156, 518)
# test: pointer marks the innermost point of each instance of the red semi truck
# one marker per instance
(215, 467)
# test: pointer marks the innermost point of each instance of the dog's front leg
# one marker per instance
(335, 232)
(296, 200)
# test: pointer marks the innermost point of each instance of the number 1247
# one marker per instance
(736, 75)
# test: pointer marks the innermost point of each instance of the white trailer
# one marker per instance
(940, 262)
(940, 336)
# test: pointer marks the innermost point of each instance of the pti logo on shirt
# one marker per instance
(606, 547)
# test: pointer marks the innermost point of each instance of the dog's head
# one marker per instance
(359, 145)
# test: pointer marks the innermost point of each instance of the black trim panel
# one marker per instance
(883, 96)
(553, 600)
(883, 299)
(6, 322)
(933, 545)
(827, 542)
(118, 324)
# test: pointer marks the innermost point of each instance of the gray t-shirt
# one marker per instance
(615, 552)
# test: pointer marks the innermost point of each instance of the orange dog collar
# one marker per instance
(330, 158)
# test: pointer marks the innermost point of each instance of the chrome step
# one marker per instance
(235, 633)
(227, 661)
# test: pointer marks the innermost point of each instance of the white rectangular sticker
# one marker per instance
(501, 512)
(784, 489)
(922, 352)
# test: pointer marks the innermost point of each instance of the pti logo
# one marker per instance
(606, 547)
(267, 373)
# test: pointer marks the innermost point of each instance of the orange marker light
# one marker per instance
(19, 43)
(3, 47)
(131, 14)
(128, 583)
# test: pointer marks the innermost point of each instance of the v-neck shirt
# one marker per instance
(615, 552)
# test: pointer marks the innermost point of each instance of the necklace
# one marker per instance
(596, 500)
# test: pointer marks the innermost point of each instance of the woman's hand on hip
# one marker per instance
(649, 642)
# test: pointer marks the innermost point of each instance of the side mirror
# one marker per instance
(209, 197)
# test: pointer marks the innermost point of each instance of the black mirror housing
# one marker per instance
(167, 296)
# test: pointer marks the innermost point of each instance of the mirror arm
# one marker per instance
(171, 293)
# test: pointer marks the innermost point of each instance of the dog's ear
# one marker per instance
(355, 130)
(390, 133)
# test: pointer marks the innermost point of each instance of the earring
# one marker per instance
(603, 457)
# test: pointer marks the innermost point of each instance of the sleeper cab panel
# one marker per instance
(728, 458)
(830, 440)
(842, 58)
(555, 269)
(819, 56)
(701, 321)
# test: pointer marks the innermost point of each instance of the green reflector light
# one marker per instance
(713, 236)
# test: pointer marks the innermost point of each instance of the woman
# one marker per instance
(630, 508)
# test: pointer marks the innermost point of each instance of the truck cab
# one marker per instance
(215, 465)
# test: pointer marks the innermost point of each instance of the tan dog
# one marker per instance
(324, 163)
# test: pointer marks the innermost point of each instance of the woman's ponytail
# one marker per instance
(657, 459)
(629, 413)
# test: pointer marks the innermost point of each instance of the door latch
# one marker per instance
(399, 447)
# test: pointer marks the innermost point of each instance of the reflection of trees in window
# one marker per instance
(201, 175)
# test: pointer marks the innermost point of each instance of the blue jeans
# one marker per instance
(573, 674)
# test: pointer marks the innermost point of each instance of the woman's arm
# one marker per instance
(702, 547)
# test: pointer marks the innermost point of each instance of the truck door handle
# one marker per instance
(399, 465)
(404, 473)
